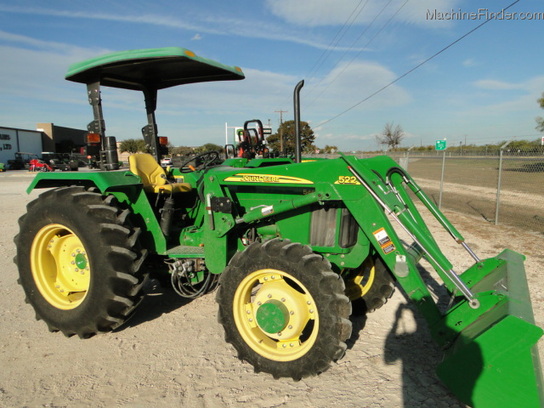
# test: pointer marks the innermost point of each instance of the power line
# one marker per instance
(339, 35)
(334, 42)
(413, 69)
(366, 45)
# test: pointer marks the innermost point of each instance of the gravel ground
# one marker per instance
(172, 352)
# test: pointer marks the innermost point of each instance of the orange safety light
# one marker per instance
(93, 138)
(163, 140)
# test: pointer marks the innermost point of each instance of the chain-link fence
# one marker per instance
(501, 186)
(505, 186)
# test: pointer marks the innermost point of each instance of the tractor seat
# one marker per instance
(153, 176)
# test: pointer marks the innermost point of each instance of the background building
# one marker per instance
(14, 140)
(59, 139)
(46, 138)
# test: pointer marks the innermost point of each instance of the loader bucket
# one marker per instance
(494, 360)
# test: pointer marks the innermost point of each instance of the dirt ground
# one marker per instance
(172, 352)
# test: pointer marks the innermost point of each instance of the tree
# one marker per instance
(183, 151)
(208, 147)
(287, 129)
(540, 119)
(329, 149)
(133, 146)
(391, 135)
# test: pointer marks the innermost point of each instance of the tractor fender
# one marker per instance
(123, 185)
(103, 180)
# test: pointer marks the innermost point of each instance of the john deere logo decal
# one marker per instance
(267, 178)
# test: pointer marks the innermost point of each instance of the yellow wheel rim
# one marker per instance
(276, 315)
(359, 285)
(60, 266)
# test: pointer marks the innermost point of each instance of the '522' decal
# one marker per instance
(347, 180)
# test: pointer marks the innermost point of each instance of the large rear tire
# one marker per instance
(79, 261)
(284, 309)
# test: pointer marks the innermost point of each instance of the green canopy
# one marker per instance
(156, 68)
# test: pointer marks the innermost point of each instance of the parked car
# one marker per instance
(166, 161)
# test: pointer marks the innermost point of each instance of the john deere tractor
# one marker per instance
(292, 245)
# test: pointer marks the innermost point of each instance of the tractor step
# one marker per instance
(185, 251)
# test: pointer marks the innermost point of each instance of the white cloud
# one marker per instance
(34, 69)
(418, 12)
(518, 108)
(47, 46)
(470, 62)
(196, 37)
(153, 19)
(494, 85)
(351, 83)
(209, 24)
(314, 13)
(36, 74)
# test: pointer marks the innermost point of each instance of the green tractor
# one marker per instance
(292, 245)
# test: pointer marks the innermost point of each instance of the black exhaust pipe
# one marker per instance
(296, 99)
(110, 159)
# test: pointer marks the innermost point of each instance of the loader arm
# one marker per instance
(488, 332)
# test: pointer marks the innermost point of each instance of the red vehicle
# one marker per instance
(39, 165)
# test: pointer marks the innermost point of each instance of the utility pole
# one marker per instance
(281, 112)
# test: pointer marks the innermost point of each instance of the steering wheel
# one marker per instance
(202, 161)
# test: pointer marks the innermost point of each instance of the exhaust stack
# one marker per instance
(296, 99)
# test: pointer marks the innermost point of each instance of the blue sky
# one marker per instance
(483, 89)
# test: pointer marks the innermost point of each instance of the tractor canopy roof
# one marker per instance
(151, 69)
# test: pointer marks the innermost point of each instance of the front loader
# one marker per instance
(293, 246)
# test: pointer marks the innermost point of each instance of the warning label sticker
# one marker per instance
(384, 241)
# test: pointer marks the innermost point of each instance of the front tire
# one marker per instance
(284, 309)
(79, 261)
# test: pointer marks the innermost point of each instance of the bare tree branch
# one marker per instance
(391, 135)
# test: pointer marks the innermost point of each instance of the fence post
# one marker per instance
(442, 179)
(499, 181)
